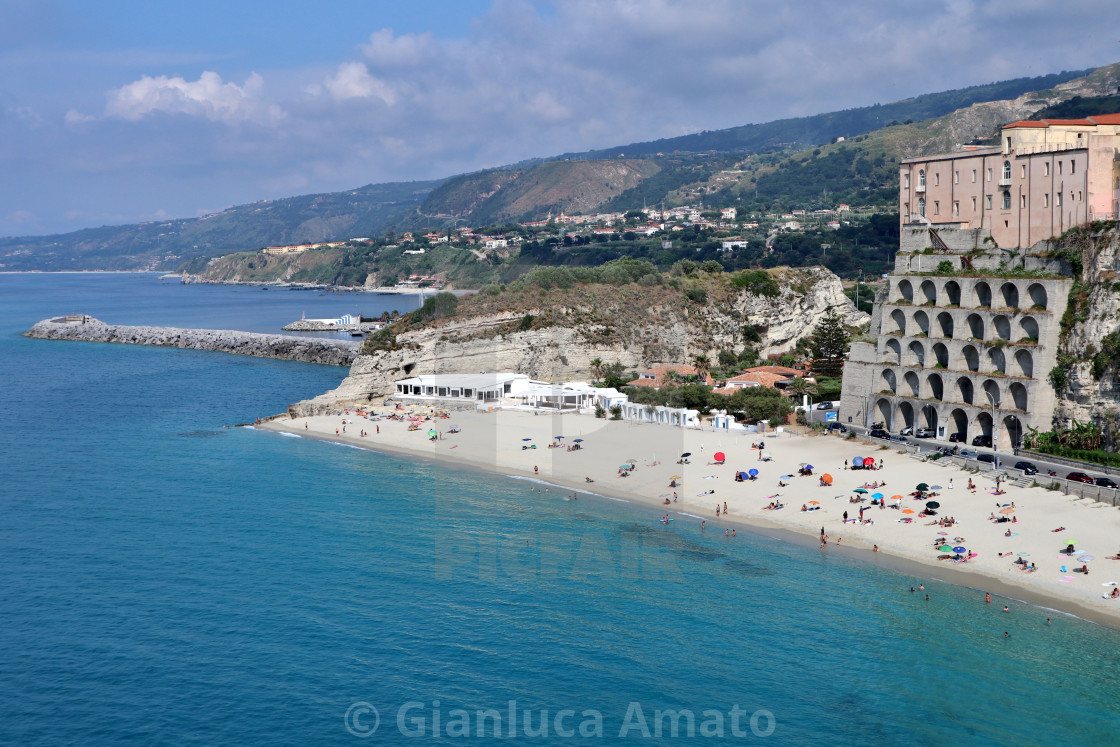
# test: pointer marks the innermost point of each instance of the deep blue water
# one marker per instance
(164, 579)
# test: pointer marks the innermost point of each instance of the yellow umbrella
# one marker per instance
(675, 477)
(1007, 510)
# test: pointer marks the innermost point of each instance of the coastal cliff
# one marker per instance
(286, 347)
(555, 334)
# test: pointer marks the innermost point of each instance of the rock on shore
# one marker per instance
(286, 347)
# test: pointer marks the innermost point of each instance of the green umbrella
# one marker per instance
(922, 486)
(945, 548)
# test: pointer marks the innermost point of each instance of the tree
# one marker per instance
(597, 368)
(830, 343)
(614, 375)
(703, 366)
(800, 387)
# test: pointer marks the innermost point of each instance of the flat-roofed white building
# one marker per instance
(576, 395)
(483, 387)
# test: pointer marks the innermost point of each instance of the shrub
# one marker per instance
(696, 295)
(439, 306)
(757, 282)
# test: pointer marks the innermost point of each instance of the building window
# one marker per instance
(1058, 199)
(1046, 169)
(1022, 201)
(906, 180)
(956, 177)
(1059, 168)
(988, 201)
(906, 209)
(937, 179)
(922, 206)
(956, 210)
(1007, 169)
(989, 173)
(937, 207)
(1079, 195)
(974, 176)
(1073, 167)
(1023, 171)
(1006, 200)
(974, 204)
(1045, 199)
(921, 177)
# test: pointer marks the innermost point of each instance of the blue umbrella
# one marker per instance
(752, 472)
(876, 495)
(784, 477)
(960, 550)
(742, 475)
(526, 439)
(857, 461)
(808, 466)
(579, 440)
(859, 490)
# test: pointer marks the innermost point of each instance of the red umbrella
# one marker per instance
(720, 456)
(868, 461)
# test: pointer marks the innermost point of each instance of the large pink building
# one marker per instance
(1044, 178)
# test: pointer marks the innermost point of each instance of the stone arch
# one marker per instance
(975, 326)
(958, 423)
(1013, 429)
(894, 347)
(929, 412)
(913, 385)
(1037, 294)
(899, 320)
(1010, 294)
(1028, 325)
(1018, 394)
(940, 355)
(997, 359)
(1025, 362)
(906, 414)
(991, 393)
(984, 422)
(921, 321)
(964, 390)
(928, 292)
(890, 382)
(935, 387)
(971, 358)
(916, 353)
(885, 412)
(905, 291)
(982, 295)
(1001, 325)
(945, 324)
(952, 293)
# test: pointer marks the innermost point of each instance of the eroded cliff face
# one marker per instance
(665, 331)
(1093, 320)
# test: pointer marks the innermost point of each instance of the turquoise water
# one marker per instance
(164, 579)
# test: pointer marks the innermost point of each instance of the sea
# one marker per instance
(166, 578)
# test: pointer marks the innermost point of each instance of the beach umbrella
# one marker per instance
(859, 490)
(686, 454)
(896, 497)
(579, 440)
(960, 550)
(922, 486)
(626, 466)
(719, 456)
(815, 503)
(1085, 558)
(767, 455)
(933, 504)
(935, 487)
(945, 548)
(826, 479)
(907, 510)
(526, 439)
(557, 437)
(876, 495)
(1007, 510)
(857, 461)
(784, 477)
(742, 475)
(752, 472)
(674, 477)
(868, 461)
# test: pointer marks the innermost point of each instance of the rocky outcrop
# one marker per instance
(669, 333)
(286, 347)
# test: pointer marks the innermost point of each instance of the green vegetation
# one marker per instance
(439, 306)
(829, 344)
(1079, 107)
(757, 282)
(751, 403)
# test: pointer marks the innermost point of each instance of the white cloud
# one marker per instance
(353, 81)
(208, 97)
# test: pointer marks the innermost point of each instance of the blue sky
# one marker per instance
(125, 111)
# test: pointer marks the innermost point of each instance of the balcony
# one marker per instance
(1005, 181)
(920, 188)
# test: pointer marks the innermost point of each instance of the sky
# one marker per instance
(124, 111)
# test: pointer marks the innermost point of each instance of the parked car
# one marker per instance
(824, 405)
(1027, 468)
(923, 433)
(956, 438)
(1079, 477)
(899, 439)
(907, 431)
(982, 440)
(988, 459)
(1104, 482)
(879, 433)
(967, 453)
(840, 427)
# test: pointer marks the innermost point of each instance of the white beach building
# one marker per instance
(576, 395)
(482, 387)
(678, 416)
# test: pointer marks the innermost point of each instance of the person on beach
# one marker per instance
(717, 510)
(950, 483)
(987, 598)
(1006, 608)
(536, 470)
(725, 508)
(874, 548)
(703, 525)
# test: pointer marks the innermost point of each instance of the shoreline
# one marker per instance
(903, 548)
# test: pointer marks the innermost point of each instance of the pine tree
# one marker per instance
(830, 343)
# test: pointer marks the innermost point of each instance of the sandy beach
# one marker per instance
(502, 441)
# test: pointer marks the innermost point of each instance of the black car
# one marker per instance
(879, 433)
(1027, 468)
(899, 439)
(1104, 482)
(956, 438)
(988, 458)
(982, 440)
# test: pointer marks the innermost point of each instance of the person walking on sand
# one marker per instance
(950, 483)
(725, 508)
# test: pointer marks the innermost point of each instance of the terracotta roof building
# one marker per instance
(657, 376)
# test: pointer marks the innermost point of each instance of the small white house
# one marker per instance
(481, 387)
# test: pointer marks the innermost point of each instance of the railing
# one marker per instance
(1005, 181)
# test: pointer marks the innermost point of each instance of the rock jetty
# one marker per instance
(286, 347)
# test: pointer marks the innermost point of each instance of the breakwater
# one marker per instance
(286, 347)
